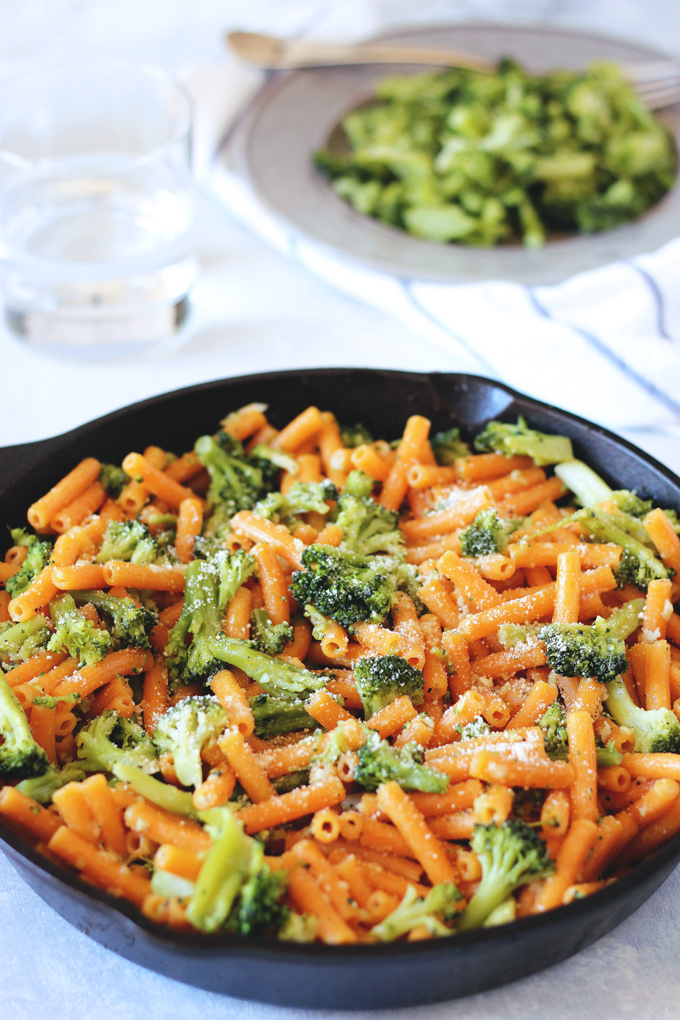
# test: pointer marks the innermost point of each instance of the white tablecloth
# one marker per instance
(253, 311)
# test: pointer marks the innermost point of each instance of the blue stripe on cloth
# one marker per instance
(407, 287)
(600, 346)
(655, 291)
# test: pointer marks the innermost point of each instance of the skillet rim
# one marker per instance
(26, 858)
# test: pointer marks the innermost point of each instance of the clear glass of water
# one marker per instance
(96, 208)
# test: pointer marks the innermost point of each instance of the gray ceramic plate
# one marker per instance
(297, 112)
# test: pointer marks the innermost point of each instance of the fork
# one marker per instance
(657, 82)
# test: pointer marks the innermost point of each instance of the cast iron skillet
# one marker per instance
(319, 976)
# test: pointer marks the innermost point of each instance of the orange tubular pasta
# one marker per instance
(276, 536)
(506, 664)
(72, 485)
(437, 596)
(661, 532)
(322, 707)
(657, 675)
(79, 577)
(658, 608)
(334, 641)
(407, 625)
(491, 768)
(237, 621)
(156, 481)
(458, 516)
(524, 502)
(244, 422)
(99, 868)
(567, 587)
(481, 466)
(155, 701)
(581, 738)
(570, 858)
(86, 680)
(393, 717)
(273, 583)
(243, 761)
(302, 801)
(367, 459)
(539, 700)
(466, 579)
(418, 835)
(189, 524)
(456, 646)
(143, 575)
(301, 428)
(38, 594)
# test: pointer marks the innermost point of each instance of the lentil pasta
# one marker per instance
(306, 683)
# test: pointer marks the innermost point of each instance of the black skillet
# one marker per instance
(319, 976)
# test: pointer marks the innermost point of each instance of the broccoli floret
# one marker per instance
(355, 435)
(379, 762)
(19, 641)
(345, 586)
(359, 484)
(381, 679)
(185, 729)
(579, 649)
(75, 634)
(277, 677)
(237, 481)
(110, 740)
(20, 756)
(113, 478)
(519, 439)
(404, 576)
(21, 536)
(368, 527)
(487, 534)
(477, 728)
(225, 870)
(130, 624)
(512, 634)
(656, 730)
(638, 564)
(301, 498)
(274, 460)
(510, 854)
(128, 540)
(447, 446)
(209, 586)
(266, 636)
(606, 754)
(554, 727)
(41, 788)
(37, 558)
(259, 910)
(297, 927)
(274, 716)
(430, 911)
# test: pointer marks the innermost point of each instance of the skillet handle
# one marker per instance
(16, 460)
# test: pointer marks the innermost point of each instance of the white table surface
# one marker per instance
(254, 311)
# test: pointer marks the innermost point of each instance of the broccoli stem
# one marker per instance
(221, 877)
(165, 796)
(275, 676)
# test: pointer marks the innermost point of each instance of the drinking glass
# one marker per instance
(96, 207)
